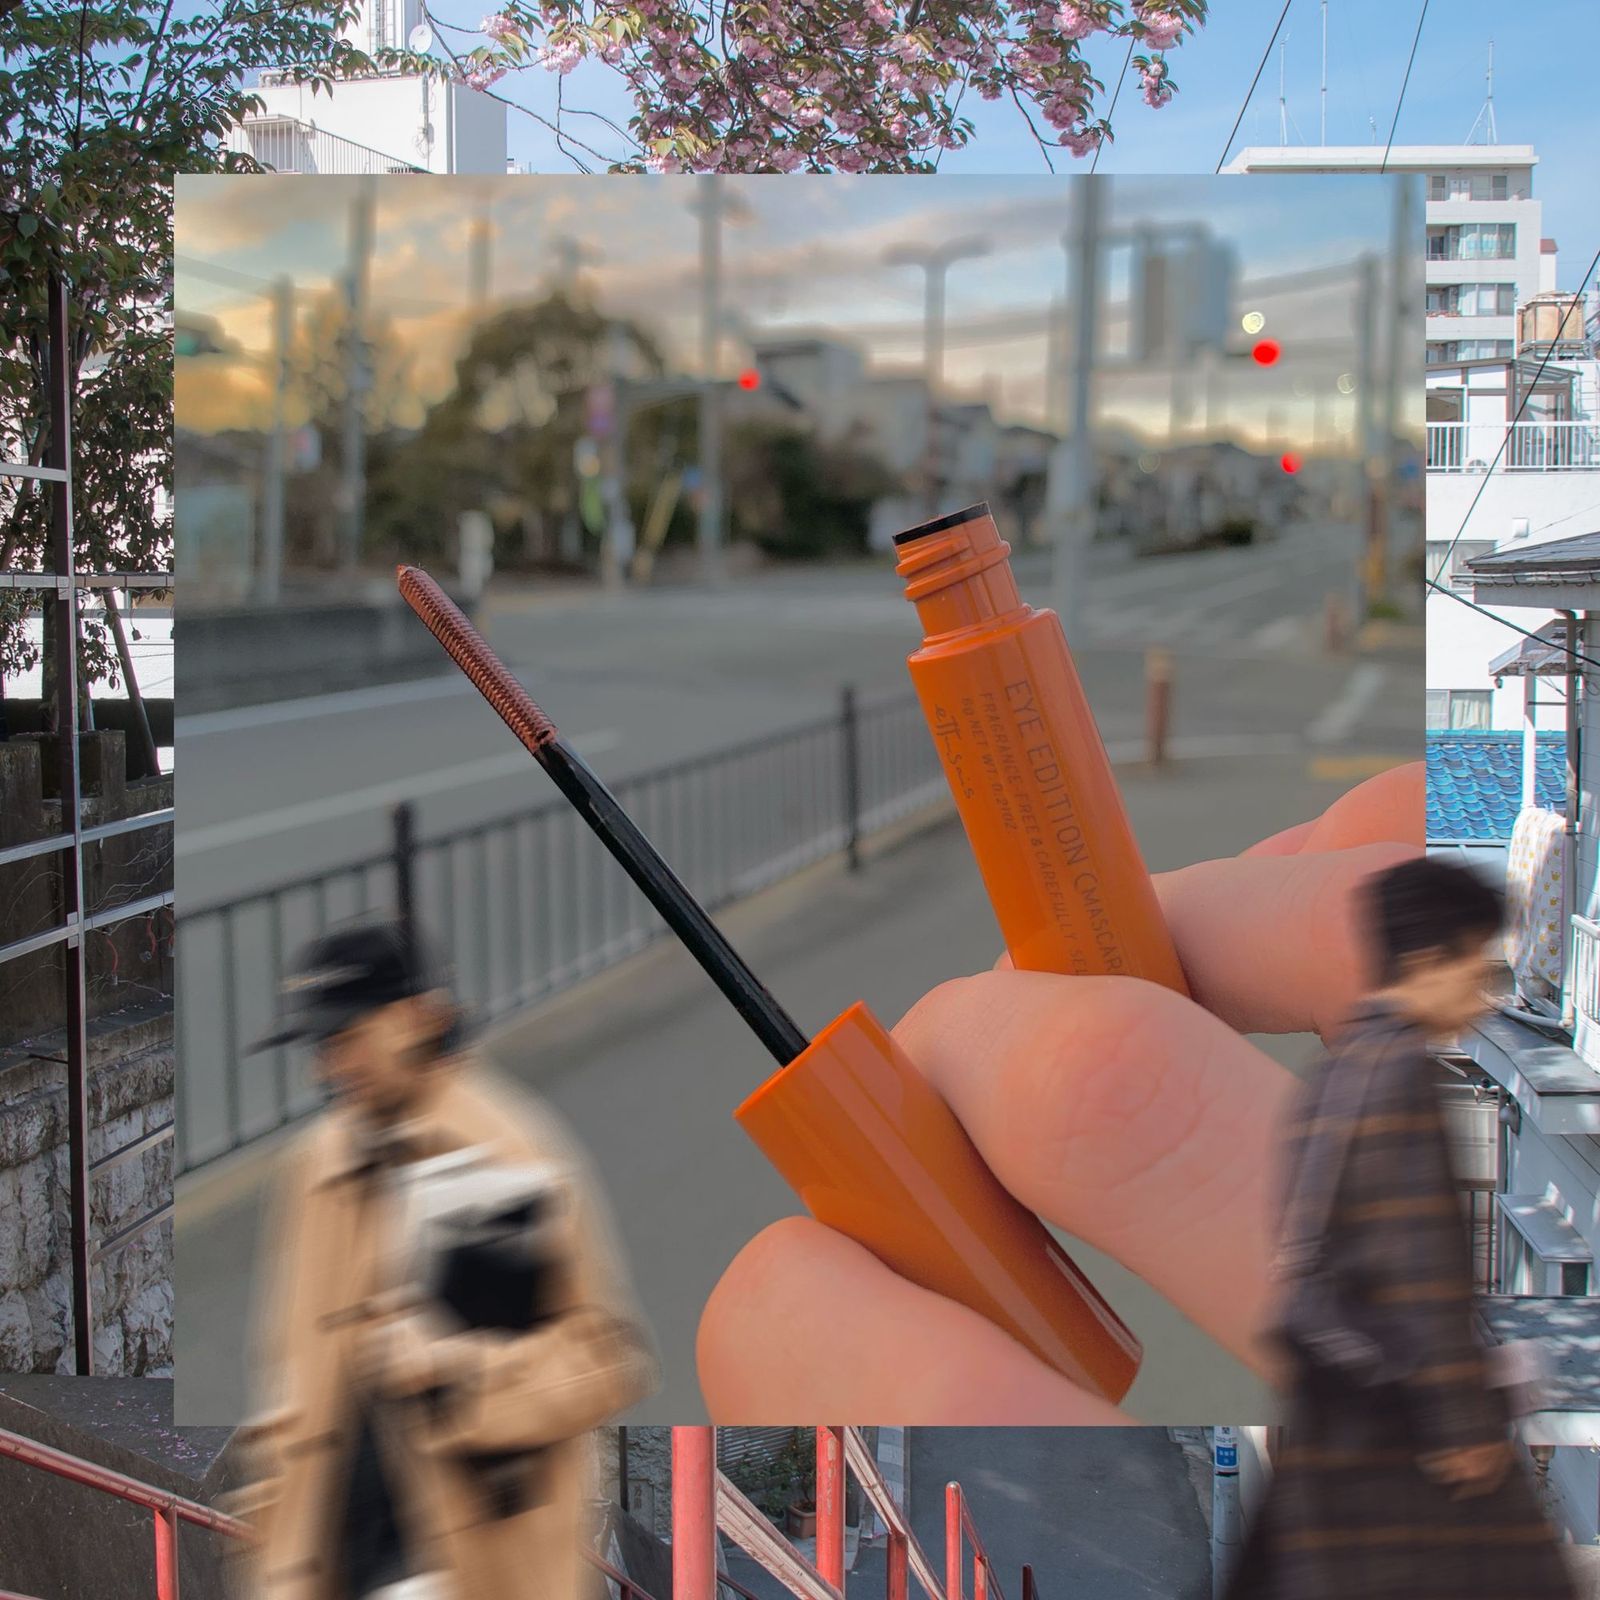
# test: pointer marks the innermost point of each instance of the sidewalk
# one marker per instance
(647, 1063)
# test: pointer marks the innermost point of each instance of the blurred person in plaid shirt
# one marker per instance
(1396, 1477)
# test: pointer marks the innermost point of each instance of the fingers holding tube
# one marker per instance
(807, 1323)
(1126, 1115)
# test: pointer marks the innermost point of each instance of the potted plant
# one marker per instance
(801, 1517)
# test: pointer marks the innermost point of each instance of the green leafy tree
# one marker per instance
(101, 106)
(504, 438)
(799, 497)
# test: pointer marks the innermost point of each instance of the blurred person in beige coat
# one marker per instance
(402, 1453)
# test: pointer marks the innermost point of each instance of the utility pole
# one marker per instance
(710, 538)
(479, 261)
(269, 579)
(1397, 313)
(935, 262)
(1366, 379)
(358, 379)
(1069, 489)
(1225, 1531)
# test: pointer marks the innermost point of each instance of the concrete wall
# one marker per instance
(131, 1060)
(239, 658)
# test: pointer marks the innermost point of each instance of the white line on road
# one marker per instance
(1197, 746)
(322, 705)
(196, 841)
(1360, 689)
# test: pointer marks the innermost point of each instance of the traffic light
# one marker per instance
(749, 379)
(1289, 461)
(1265, 352)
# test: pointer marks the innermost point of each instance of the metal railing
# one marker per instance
(705, 1502)
(285, 144)
(60, 588)
(1529, 446)
(528, 904)
(1583, 987)
(167, 1510)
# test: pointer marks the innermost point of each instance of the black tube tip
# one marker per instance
(939, 524)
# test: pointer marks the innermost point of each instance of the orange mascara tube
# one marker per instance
(1026, 763)
(860, 1135)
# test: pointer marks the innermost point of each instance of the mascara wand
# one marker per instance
(852, 1125)
(595, 803)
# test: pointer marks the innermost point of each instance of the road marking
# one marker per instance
(322, 705)
(1277, 633)
(1197, 746)
(242, 830)
(1336, 721)
(1343, 768)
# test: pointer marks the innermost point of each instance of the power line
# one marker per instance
(1395, 122)
(1111, 109)
(1250, 93)
(1517, 416)
(1527, 633)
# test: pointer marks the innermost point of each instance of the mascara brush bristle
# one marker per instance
(468, 649)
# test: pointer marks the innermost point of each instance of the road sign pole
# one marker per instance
(1224, 1507)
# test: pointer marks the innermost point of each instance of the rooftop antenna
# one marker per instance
(1324, 137)
(1372, 125)
(1485, 116)
(1283, 103)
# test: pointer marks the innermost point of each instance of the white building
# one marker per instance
(1484, 240)
(389, 122)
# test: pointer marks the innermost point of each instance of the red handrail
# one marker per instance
(958, 1521)
(167, 1509)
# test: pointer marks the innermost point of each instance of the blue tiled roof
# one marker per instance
(1475, 781)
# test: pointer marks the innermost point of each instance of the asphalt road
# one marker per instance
(273, 792)
(1098, 1513)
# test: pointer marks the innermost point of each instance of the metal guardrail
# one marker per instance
(525, 905)
(1529, 446)
(285, 144)
(167, 1510)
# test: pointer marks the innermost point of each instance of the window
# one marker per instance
(1472, 300)
(1438, 186)
(1459, 710)
(1473, 241)
(1498, 186)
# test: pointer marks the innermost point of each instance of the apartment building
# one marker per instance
(385, 122)
(1484, 244)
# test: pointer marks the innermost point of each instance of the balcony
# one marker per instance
(285, 144)
(1529, 446)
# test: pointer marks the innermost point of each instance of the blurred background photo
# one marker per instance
(655, 435)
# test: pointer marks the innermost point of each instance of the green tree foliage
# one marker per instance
(799, 497)
(503, 438)
(101, 105)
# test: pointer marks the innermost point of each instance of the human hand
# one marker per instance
(1477, 1470)
(1139, 1121)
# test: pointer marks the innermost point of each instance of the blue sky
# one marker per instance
(1368, 41)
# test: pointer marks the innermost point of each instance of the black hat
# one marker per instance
(345, 974)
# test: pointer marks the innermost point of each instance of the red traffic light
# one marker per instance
(1265, 352)
(749, 379)
(1289, 461)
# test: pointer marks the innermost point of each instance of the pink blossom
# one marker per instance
(1076, 21)
(988, 90)
(562, 55)
(880, 13)
(850, 159)
(1082, 141)
(786, 160)
(481, 78)
(1157, 91)
(662, 163)
(809, 116)
(499, 27)
(1163, 29)
(908, 47)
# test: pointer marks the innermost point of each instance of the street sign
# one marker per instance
(1226, 1450)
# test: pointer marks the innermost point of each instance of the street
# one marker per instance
(646, 1063)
